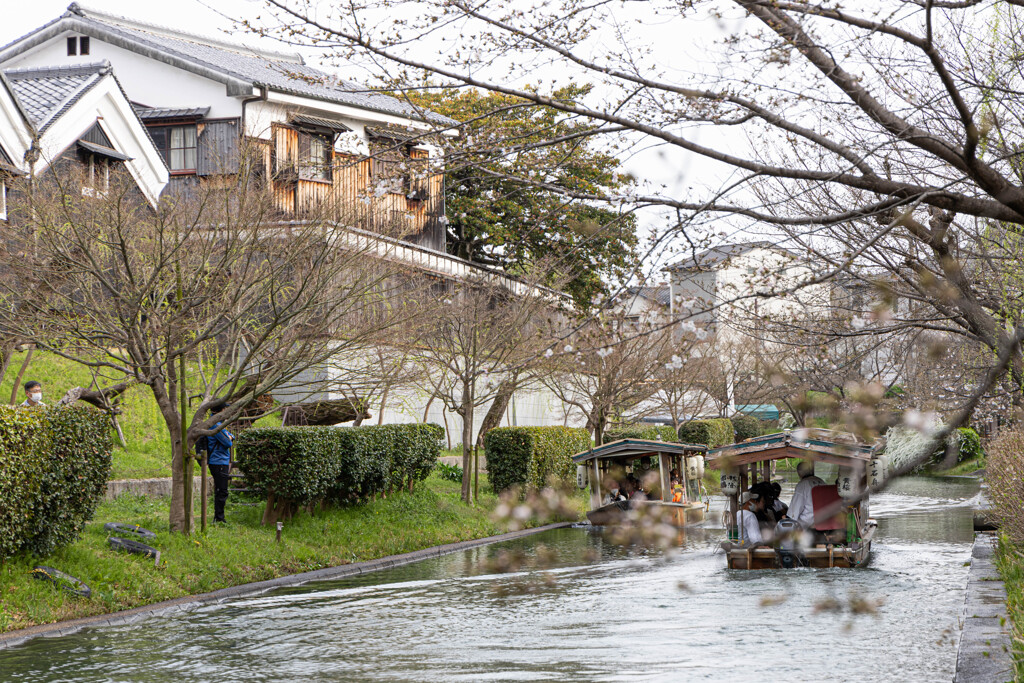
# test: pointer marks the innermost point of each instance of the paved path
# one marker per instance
(985, 652)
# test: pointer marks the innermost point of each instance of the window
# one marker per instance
(177, 144)
(314, 156)
(3, 199)
(78, 46)
(99, 176)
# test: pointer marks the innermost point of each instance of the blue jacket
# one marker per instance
(219, 446)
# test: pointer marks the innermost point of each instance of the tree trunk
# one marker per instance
(494, 414)
(467, 439)
(178, 520)
(383, 402)
(21, 375)
(5, 360)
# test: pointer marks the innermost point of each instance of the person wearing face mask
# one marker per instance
(33, 395)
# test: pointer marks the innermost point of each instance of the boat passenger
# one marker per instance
(615, 494)
(778, 506)
(678, 491)
(762, 509)
(746, 521)
(801, 508)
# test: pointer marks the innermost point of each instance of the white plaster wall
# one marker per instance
(146, 81)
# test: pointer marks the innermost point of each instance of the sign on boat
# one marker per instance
(841, 533)
(653, 462)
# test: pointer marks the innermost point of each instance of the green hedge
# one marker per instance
(642, 431)
(54, 465)
(712, 433)
(746, 427)
(307, 465)
(527, 456)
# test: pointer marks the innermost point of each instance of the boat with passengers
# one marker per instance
(629, 473)
(841, 532)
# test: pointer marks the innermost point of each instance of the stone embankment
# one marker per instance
(984, 655)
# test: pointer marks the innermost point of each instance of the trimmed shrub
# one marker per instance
(54, 464)
(303, 466)
(296, 465)
(712, 433)
(528, 456)
(746, 427)
(642, 431)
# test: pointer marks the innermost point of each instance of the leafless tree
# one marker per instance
(476, 338)
(611, 369)
(204, 299)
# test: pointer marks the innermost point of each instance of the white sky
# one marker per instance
(674, 169)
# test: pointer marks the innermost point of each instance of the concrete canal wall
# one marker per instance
(63, 628)
(154, 488)
(984, 655)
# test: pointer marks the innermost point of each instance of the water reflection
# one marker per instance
(592, 613)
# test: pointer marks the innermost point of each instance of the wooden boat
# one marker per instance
(644, 459)
(842, 532)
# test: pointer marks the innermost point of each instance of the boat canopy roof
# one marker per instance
(838, 448)
(630, 449)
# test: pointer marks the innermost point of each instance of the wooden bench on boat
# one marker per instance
(594, 466)
(744, 464)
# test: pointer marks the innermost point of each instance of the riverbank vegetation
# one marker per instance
(1010, 562)
(240, 552)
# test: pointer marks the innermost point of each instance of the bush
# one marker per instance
(449, 472)
(1005, 477)
(54, 464)
(712, 433)
(528, 456)
(641, 431)
(968, 444)
(746, 427)
(302, 466)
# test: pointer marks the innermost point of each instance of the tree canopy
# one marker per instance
(505, 190)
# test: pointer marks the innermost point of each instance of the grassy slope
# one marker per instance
(148, 452)
(240, 552)
(1010, 561)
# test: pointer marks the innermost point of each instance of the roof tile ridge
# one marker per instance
(76, 93)
(180, 34)
(101, 67)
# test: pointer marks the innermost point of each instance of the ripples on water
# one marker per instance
(619, 617)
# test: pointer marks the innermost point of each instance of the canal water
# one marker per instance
(577, 609)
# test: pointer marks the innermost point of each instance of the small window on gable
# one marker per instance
(83, 45)
(3, 199)
(98, 181)
(72, 46)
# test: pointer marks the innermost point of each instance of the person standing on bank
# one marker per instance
(33, 394)
(218, 460)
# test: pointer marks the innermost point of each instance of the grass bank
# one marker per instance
(1010, 562)
(960, 469)
(240, 552)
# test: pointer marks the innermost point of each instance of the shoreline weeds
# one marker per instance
(61, 628)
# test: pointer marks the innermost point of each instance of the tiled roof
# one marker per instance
(722, 253)
(660, 294)
(147, 113)
(46, 92)
(274, 71)
(318, 122)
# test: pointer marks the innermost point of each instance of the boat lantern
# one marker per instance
(730, 482)
(581, 476)
(695, 468)
(878, 472)
(848, 482)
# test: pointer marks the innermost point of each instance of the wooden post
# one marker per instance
(664, 465)
(202, 489)
(595, 485)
